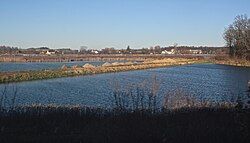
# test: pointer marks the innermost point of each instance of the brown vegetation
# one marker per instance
(226, 60)
(64, 124)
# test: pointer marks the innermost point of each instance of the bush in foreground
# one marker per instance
(78, 124)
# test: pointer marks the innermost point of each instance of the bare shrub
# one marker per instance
(141, 96)
(178, 99)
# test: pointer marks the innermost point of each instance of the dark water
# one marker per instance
(203, 81)
(5, 67)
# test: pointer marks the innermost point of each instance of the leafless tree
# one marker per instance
(237, 37)
(83, 49)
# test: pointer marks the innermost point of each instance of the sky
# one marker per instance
(116, 23)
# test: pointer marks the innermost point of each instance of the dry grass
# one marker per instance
(75, 124)
(225, 60)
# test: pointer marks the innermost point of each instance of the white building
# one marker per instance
(95, 51)
(172, 51)
(48, 52)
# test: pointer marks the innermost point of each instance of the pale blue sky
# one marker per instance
(116, 23)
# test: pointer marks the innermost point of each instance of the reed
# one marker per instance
(80, 124)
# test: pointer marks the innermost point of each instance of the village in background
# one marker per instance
(170, 50)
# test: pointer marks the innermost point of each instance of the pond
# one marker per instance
(6, 67)
(210, 82)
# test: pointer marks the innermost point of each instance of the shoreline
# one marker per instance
(226, 60)
(233, 63)
(91, 57)
(88, 69)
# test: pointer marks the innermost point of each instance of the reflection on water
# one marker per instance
(203, 81)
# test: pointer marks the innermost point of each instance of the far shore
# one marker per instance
(216, 59)
(94, 57)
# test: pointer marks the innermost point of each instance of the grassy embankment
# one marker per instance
(6, 77)
(226, 60)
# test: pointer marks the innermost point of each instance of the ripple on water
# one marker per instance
(203, 81)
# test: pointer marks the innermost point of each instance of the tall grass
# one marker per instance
(85, 124)
(141, 96)
(145, 96)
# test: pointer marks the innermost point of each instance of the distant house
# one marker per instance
(50, 52)
(95, 51)
(172, 51)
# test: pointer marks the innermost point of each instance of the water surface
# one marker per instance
(211, 82)
(8, 66)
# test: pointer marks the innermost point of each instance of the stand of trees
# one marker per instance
(237, 36)
(8, 50)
